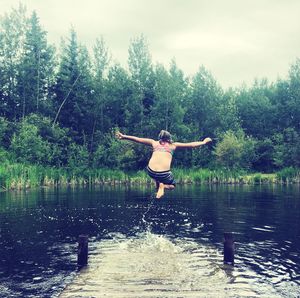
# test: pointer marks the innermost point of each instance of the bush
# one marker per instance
(7, 130)
(78, 158)
(114, 154)
(287, 174)
(28, 146)
(3, 128)
(264, 151)
(287, 148)
(57, 138)
(235, 151)
(4, 155)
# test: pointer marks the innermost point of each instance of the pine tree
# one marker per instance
(101, 61)
(12, 34)
(141, 70)
(170, 88)
(37, 68)
(74, 90)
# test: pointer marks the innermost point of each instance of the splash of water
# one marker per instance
(150, 265)
(144, 221)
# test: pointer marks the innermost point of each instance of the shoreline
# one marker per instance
(20, 176)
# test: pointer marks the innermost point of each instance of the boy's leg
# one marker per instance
(160, 191)
(156, 185)
(169, 186)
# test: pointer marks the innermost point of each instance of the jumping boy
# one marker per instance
(159, 166)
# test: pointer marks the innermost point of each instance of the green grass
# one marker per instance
(20, 176)
(289, 175)
(206, 176)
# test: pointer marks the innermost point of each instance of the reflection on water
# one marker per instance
(142, 247)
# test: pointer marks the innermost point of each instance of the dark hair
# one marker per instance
(165, 136)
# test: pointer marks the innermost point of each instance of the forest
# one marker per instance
(60, 107)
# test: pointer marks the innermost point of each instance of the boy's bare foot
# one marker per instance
(169, 187)
(161, 191)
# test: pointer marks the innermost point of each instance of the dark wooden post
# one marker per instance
(228, 248)
(82, 254)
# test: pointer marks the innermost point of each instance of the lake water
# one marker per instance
(143, 247)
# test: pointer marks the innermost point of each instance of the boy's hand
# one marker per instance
(119, 135)
(207, 140)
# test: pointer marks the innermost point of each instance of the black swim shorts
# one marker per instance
(165, 177)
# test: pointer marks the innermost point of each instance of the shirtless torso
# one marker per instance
(162, 155)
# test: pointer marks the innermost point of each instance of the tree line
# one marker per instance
(61, 107)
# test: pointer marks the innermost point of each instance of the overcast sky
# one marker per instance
(237, 40)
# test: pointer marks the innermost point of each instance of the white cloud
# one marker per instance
(236, 40)
(210, 41)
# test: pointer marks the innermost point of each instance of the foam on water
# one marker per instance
(150, 265)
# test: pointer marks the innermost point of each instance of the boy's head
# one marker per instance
(165, 136)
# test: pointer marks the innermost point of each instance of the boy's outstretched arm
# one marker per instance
(192, 144)
(144, 141)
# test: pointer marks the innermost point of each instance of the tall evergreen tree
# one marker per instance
(204, 98)
(141, 70)
(256, 110)
(12, 34)
(74, 90)
(120, 91)
(227, 112)
(170, 91)
(100, 62)
(288, 98)
(37, 68)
